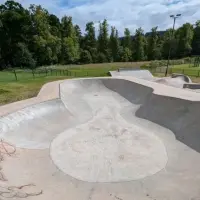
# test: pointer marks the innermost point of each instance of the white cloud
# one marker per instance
(126, 13)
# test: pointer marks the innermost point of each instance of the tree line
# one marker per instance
(34, 37)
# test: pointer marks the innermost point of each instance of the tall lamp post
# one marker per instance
(170, 44)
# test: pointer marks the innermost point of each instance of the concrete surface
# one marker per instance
(109, 138)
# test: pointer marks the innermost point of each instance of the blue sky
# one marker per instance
(123, 13)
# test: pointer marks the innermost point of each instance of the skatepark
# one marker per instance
(112, 138)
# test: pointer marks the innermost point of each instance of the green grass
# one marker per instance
(19, 90)
(186, 66)
(186, 69)
(26, 86)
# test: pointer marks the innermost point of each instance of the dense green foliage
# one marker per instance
(34, 37)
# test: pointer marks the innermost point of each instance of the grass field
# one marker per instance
(27, 86)
(15, 91)
(186, 66)
(186, 69)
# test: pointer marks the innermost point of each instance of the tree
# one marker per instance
(196, 39)
(67, 27)
(15, 23)
(127, 55)
(89, 42)
(103, 41)
(78, 33)
(85, 57)
(114, 45)
(45, 45)
(127, 41)
(101, 58)
(55, 25)
(35, 37)
(153, 47)
(23, 57)
(70, 43)
(139, 45)
(168, 40)
(184, 37)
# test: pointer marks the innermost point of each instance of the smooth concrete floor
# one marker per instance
(106, 139)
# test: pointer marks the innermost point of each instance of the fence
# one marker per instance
(25, 74)
(188, 72)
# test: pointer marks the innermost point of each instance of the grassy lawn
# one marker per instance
(26, 86)
(186, 66)
(186, 69)
(19, 90)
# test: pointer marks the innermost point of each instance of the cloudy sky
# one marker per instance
(123, 13)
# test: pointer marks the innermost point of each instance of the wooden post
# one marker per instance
(33, 73)
(15, 74)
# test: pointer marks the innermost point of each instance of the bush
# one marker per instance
(188, 60)
(86, 57)
(176, 62)
(155, 64)
(23, 57)
(101, 58)
(145, 66)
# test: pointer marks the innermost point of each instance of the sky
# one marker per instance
(123, 14)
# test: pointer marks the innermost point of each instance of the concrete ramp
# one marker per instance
(144, 74)
(107, 138)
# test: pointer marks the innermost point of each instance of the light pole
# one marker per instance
(170, 44)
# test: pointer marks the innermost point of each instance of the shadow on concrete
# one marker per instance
(182, 117)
